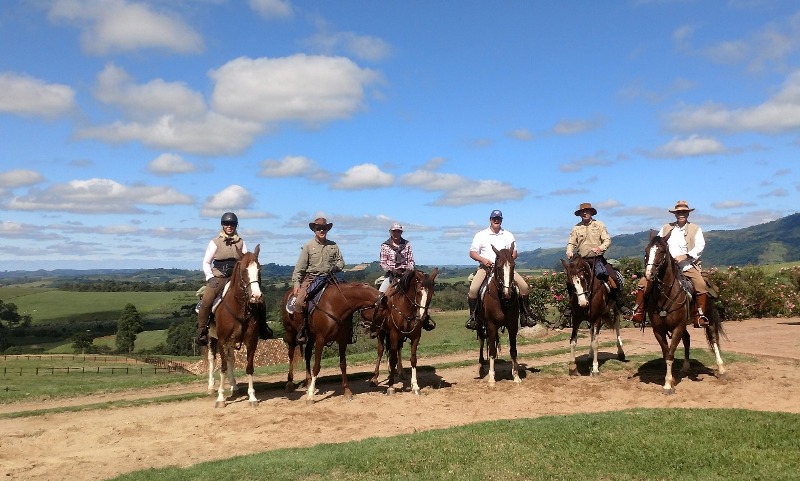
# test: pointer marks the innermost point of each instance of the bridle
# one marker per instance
(243, 300)
(413, 319)
(496, 277)
(658, 272)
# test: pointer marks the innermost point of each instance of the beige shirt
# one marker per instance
(584, 238)
(317, 259)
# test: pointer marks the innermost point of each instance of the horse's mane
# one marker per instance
(405, 280)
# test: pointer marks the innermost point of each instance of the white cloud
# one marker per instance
(19, 178)
(457, 190)
(27, 96)
(109, 26)
(233, 198)
(301, 87)
(150, 100)
(167, 164)
(289, 166)
(364, 176)
(96, 196)
(364, 47)
(691, 147)
(731, 204)
(270, 9)
(578, 165)
(521, 134)
(571, 127)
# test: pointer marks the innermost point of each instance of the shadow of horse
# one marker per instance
(652, 371)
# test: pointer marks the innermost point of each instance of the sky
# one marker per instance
(127, 128)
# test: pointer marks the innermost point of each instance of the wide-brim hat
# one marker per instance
(320, 222)
(586, 206)
(681, 206)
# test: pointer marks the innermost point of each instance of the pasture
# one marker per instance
(614, 426)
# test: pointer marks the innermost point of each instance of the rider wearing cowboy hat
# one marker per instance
(318, 257)
(590, 238)
(686, 244)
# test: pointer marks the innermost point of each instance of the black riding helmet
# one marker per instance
(229, 218)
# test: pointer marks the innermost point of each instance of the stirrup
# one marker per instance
(472, 323)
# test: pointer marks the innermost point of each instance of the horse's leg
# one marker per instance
(512, 348)
(210, 355)
(481, 358)
(348, 395)
(307, 358)
(687, 342)
(251, 354)
(414, 385)
(573, 344)
(223, 366)
(491, 331)
(393, 348)
(376, 374)
(669, 380)
(712, 334)
(230, 357)
(311, 376)
(620, 351)
(400, 372)
(293, 351)
(594, 346)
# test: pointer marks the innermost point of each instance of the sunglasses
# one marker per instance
(497, 219)
(320, 228)
(229, 224)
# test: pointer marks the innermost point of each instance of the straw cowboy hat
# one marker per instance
(681, 206)
(586, 206)
(320, 222)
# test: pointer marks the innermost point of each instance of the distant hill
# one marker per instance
(769, 243)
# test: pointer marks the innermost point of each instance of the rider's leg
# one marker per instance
(472, 297)
(616, 292)
(472, 323)
(300, 306)
(526, 317)
(638, 308)
(213, 286)
(701, 297)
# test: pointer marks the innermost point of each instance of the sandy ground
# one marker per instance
(97, 445)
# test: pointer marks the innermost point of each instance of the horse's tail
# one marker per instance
(717, 330)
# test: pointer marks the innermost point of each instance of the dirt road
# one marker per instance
(96, 445)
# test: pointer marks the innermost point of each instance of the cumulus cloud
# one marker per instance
(28, 96)
(731, 204)
(233, 198)
(457, 190)
(168, 164)
(521, 134)
(270, 9)
(303, 88)
(291, 166)
(779, 113)
(96, 196)
(364, 47)
(19, 178)
(693, 146)
(364, 176)
(589, 161)
(119, 26)
(571, 127)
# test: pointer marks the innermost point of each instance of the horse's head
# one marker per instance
(656, 257)
(250, 275)
(418, 289)
(579, 275)
(503, 269)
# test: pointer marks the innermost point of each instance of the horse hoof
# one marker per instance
(573, 371)
(722, 376)
(595, 373)
(390, 391)
(348, 397)
(309, 401)
(416, 391)
(621, 357)
(669, 392)
(254, 404)
(219, 404)
(212, 392)
(290, 387)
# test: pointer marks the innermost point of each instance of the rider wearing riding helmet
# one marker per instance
(481, 252)
(221, 255)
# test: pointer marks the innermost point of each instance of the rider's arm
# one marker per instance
(572, 242)
(244, 247)
(479, 259)
(409, 257)
(605, 240)
(699, 244)
(208, 258)
(386, 260)
(300, 268)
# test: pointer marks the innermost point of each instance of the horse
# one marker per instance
(236, 324)
(590, 301)
(667, 304)
(499, 309)
(401, 311)
(330, 321)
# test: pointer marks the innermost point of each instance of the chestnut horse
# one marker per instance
(499, 309)
(331, 321)
(400, 313)
(589, 301)
(667, 304)
(235, 323)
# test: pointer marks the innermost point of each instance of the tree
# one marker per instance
(82, 341)
(128, 326)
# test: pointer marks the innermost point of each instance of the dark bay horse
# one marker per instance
(331, 321)
(236, 323)
(590, 301)
(500, 309)
(667, 304)
(400, 314)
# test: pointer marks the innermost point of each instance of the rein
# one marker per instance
(414, 317)
(663, 265)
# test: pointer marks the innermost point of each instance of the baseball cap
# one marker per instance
(496, 213)
(396, 226)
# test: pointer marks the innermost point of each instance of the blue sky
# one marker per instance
(128, 127)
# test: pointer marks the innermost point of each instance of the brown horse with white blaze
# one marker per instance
(400, 313)
(236, 323)
(500, 309)
(590, 301)
(330, 321)
(667, 304)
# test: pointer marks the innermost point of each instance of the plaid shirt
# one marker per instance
(389, 258)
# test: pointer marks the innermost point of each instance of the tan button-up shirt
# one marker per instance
(584, 238)
(317, 259)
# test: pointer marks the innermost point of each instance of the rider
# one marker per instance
(686, 244)
(590, 238)
(481, 252)
(221, 255)
(395, 258)
(318, 257)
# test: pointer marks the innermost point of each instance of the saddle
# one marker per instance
(313, 295)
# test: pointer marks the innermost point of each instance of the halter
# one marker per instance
(414, 318)
(499, 282)
(589, 278)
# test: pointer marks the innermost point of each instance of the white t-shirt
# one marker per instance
(484, 240)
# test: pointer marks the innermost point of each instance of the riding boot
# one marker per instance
(264, 331)
(203, 321)
(616, 295)
(472, 323)
(698, 313)
(638, 309)
(428, 324)
(526, 317)
(302, 336)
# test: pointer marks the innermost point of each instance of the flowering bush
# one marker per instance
(747, 292)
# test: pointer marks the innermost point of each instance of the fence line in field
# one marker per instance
(70, 357)
(37, 371)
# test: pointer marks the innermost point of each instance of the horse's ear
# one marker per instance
(497, 252)
(434, 273)
(258, 249)
(652, 234)
(513, 247)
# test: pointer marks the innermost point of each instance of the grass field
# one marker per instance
(639, 444)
